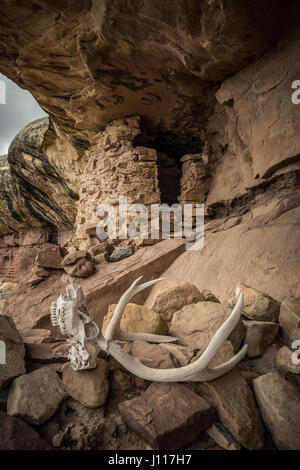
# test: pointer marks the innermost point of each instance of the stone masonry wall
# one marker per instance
(115, 168)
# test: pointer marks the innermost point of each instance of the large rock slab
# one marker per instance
(289, 319)
(137, 319)
(259, 335)
(233, 399)
(168, 416)
(279, 403)
(17, 435)
(35, 397)
(196, 324)
(13, 352)
(254, 252)
(173, 299)
(89, 387)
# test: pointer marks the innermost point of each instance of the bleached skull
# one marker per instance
(71, 315)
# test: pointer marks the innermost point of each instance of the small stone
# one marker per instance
(168, 415)
(285, 363)
(14, 352)
(119, 254)
(89, 387)
(49, 256)
(47, 353)
(196, 324)
(209, 296)
(183, 354)
(40, 272)
(289, 319)
(257, 305)
(137, 319)
(279, 403)
(35, 397)
(101, 258)
(160, 357)
(33, 281)
(171, 300)
(98, 249)
(91, 229)
(36, 335)
(72, 258)
(259, 335)
(120, 379)
(15, 434)
(222, 437)
(83, 268)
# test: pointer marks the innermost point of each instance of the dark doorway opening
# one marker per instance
(169, 174)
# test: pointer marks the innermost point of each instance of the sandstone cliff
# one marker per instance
(39, 179)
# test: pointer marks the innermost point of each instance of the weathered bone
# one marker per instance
(71, 314)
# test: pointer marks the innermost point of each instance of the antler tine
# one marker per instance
(114, 331)
(223, 332)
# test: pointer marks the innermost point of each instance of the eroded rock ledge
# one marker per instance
(39, 179)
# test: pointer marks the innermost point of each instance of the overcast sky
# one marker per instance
(20, 109)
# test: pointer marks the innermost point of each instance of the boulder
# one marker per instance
(73, 257)
(286, 363)
(196, 324)
(259, 335)
(49, 256)
(17, 435)
(234, 401)
(83, 268)
(279, 403)
(137, 319)
(89, 387)
(12, 363)
(168, 415)
(257, 305)
(289, 319)
(35, 397)
(161, 358)
(173, 299)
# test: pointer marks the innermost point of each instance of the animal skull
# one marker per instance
(71, 314)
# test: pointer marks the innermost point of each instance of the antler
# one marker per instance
(114, 331)
(198, 371)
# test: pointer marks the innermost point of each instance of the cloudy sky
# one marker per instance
(20, 109)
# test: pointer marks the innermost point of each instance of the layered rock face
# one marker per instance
(254, 127)
(39, 179)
